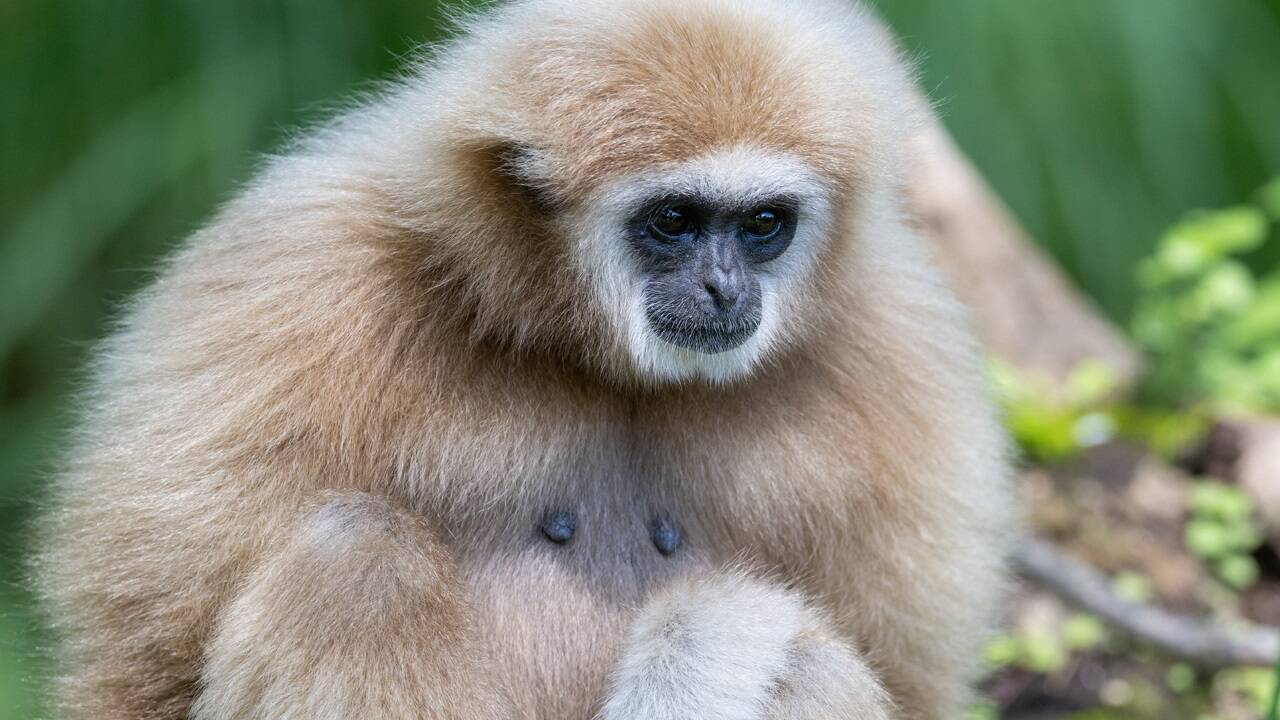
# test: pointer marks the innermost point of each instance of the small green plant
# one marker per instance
(1209, 325)
(1222, 533)
(982, 711)
(1051, 424)
(1132, 587)
(1180, 678)
(1253, 686)
(1273, 712)
(1039, 651)
(1043, 650)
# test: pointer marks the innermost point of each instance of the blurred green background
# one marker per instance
(123, 123)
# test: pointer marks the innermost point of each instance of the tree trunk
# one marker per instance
(1026, 309)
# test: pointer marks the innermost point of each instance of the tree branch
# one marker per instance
(1205, 646)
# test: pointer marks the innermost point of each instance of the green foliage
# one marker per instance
(1209, 324)
(1269, 199)
(1132, 587)
(1180, 678)
(1210, 327)
(1255, 686)
(1050, 425)
(1082, 633)
(1221, 531)
(1043, 650)
(1141, 110)
(1273, 708)
(982, 711)
(1166, 432)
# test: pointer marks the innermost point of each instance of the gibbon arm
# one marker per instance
(358, 615)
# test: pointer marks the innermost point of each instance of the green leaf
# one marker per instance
(1206, 538)
(1242, 535)
(1002, 651)
(1256, 683)
(1269, 198)
(1240, 572)
(1273, 709)
(1132, 587)
(1091, 382)
(982, 711)
(1083, 632)
(1180, 256)
(1226, 289)
(1226, 232)
(1043, 653)
(1218, 500)
(1180, 678)
(1258, 323)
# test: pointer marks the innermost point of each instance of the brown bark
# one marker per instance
(1026, 309)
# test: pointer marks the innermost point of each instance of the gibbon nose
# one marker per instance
(724, 275)
(725, 286)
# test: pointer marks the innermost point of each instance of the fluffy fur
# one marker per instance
(727, 647)
(317, 451)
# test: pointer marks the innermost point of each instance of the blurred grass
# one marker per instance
(1102, 121)
(124, 123)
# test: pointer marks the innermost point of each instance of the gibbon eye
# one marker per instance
(671, 222)
(763, 224)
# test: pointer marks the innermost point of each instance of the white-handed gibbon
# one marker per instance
(590, 370)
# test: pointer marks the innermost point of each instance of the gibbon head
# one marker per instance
(673, 184)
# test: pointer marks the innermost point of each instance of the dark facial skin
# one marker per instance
(701, 260)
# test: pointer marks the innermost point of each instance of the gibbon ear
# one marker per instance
(526, 170)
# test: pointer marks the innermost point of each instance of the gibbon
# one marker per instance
(591, 370)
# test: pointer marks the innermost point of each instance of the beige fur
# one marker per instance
(316, 453)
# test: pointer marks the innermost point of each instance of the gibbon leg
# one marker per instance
(358, 615)
(827, 680)
(729, 647)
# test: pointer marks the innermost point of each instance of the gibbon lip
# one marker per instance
(706, 338)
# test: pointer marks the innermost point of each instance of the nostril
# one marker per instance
(724, 296)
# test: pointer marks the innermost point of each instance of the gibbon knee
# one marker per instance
(358, 614)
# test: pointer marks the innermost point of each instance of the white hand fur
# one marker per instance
(731, 647)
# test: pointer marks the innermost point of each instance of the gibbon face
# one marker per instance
(699, 166)
(699, 265)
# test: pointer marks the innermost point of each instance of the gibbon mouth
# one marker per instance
(708, 338)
